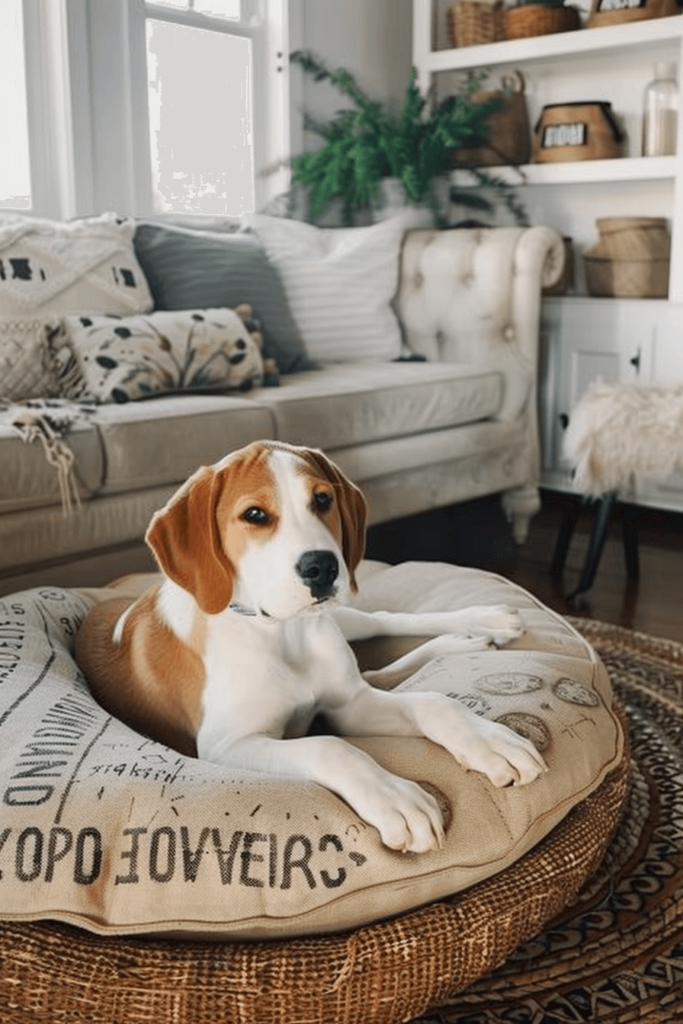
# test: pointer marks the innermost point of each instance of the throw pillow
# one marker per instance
(25, 368)
(340, 283)
(203, 269)
(127, 358)
(84, 266)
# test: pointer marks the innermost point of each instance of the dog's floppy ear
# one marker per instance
(185, 540)
(352, 509)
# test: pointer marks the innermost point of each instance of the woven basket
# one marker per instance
(539, 20)
(472, 22)
(628, 279)
(380, 974)
(509, 138)
(630, 259)
(603, 13)
(633, 238)
(577, 131)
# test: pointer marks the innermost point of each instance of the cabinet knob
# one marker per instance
(636, 360)
(564, 420)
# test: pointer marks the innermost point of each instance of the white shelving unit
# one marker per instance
(611, 63)
(585, 337)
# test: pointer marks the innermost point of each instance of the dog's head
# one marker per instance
(275, 527)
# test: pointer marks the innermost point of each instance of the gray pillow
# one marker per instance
(205, 270)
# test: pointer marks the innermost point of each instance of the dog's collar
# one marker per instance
(241, 609)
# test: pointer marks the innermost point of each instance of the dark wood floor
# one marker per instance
(476, 534)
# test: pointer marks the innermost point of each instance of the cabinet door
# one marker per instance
(665, 366)
(583, 341)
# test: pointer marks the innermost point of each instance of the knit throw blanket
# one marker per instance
(48, 422)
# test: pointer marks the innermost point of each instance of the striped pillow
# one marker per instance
(207, 270)
(340, 283)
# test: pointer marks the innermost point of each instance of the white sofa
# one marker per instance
(415, 435)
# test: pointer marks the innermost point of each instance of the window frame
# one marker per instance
(86, 72)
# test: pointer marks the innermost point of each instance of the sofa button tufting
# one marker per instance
(418, 280)
(509, 334)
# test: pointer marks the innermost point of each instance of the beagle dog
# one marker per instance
(244, 641)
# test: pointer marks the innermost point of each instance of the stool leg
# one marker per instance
(597, 542)
(629, 533)
(570, 518)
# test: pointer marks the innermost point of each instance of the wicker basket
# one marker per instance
(629, 279)
(633, 238)
(630, 259)
(539, 20)
(577, 131)
(509, 132)
(472, 22)
(603, 12)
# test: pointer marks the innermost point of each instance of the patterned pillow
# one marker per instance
(80, 266)
(26, 371)
(124, 358)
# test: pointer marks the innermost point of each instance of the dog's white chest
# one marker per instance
(270, 678)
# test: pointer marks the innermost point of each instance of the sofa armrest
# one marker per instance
(474, 295)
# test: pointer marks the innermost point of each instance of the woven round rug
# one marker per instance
(616, 954)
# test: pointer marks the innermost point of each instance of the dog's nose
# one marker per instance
(318, 570)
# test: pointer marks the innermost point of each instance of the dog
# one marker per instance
(246, 639)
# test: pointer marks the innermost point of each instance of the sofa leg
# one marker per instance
(520, 505)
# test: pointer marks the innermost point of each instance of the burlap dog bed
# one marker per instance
(102, 829)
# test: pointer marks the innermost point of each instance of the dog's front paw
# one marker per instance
(501, 754)
(497, 623)
(407, 817)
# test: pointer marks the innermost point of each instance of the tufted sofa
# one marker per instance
(454, 420)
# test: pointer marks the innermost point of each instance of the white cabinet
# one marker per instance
(637, 340)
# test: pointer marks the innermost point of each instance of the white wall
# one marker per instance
(370, 38)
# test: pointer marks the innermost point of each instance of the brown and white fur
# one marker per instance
(244, 642)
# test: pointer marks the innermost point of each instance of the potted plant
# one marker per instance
(368, 144)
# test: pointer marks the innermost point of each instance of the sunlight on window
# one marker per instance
(15, 177)
(200, 120)
(222, 8)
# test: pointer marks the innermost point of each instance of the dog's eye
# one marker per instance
(257, 516)
(322, 501)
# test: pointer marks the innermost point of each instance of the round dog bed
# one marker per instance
(103, 829)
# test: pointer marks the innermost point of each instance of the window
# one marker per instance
(15, 175)
(141, 107)
(200, 119)
(218, 104)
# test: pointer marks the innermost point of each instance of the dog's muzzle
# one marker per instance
(319, 571)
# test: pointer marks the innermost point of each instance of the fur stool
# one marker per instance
(615, 432)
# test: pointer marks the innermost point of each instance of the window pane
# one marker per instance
(200, 120)
(15, 178)
(226, 8)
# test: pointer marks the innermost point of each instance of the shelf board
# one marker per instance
(654, 168)
(562, 44)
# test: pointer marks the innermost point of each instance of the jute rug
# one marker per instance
(616, 955)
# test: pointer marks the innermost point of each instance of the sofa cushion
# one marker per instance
(340, 283)
(357, 403)
(148, 444)
(29, 480)
(83, 266)
(127, 358)
(201, 269)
